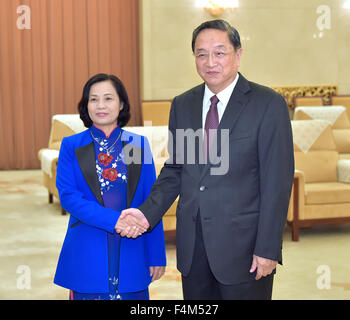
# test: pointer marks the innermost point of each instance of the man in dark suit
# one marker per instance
(234, 186)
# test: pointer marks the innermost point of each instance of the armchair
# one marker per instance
(321, 190)
(62, 125)
(338, 118)
(299, 101)
(156, 113)
(343, 100)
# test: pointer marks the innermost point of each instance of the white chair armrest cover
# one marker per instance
(47, 157)
(343, 167)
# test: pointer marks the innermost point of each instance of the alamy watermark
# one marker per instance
(324, 279)
(323, 20)
(24, 277)
(188, 149)
(24, 18)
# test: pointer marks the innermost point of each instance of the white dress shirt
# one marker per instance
(223, 96)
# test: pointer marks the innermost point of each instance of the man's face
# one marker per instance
(217, 61)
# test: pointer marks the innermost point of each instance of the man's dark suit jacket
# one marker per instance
(243, 212)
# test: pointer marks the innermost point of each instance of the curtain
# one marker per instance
(48, 50)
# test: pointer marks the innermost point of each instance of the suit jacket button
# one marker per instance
(202, 188)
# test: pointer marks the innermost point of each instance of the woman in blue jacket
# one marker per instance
(101, 172)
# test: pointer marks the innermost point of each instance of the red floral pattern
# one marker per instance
(105, 159)
(110, 174)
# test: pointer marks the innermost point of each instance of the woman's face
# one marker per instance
(104, 106)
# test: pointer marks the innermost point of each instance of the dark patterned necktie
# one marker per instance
(211, 123)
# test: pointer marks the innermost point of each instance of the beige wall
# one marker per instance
(280, 39)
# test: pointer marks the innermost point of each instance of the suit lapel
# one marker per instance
(196, 114)
(86, 160)
(196, 107)
(235, 106)
(133, 169)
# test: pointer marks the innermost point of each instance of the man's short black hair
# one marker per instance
(124, 114)
(222, 25)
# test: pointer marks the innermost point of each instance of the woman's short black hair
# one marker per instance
(222, 25)
(124, 114)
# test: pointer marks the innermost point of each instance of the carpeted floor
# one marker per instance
(32, 231)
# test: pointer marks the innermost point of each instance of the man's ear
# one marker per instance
(239, 53)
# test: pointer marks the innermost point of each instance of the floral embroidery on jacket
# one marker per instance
(110, 174)
(107, 176)
(110, 165)
(105, 159)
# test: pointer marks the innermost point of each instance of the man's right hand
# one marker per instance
(131, 223)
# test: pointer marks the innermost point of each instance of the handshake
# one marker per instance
(131, 223)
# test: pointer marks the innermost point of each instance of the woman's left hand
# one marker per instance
(156, 272)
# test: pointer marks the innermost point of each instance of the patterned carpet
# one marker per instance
(32, 232)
